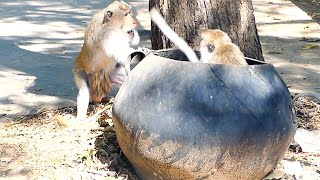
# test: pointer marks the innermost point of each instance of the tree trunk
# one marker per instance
(187, 18)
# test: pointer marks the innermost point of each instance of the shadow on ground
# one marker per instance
(40, 41)
(299, 68)
(311, 7)
(284, 31)
(11, 157)
(34, 73)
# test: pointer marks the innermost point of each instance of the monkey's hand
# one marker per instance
(119, 75)
(144, 50)
(117, 79)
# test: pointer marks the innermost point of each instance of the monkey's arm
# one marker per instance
(164, 27)
(83, 97)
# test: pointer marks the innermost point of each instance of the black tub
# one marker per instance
(182, 120)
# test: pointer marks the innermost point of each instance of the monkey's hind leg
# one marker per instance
(83, 97)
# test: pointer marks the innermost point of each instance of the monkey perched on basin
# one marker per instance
(216, 47)
(102, 61)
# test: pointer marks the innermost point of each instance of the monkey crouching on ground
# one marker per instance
(216, 47)
(102, 62)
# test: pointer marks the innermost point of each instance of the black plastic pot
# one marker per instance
(182, 120)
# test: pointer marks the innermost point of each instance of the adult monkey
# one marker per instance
(109, 40)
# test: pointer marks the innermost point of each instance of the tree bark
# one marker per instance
(187, 18)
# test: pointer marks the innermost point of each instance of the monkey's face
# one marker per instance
(119, 15)
(129, 28)
(207, 43)
(215, 37)
(129, 24)
(206, 46)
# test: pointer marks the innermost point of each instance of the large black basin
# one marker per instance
(182, 120)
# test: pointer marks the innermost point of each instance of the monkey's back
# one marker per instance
(228, 54)
(92, 56)
(94, 26)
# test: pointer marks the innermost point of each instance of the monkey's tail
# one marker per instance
(166, 30)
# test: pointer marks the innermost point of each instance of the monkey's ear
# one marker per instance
(107, 16)
(210, 48)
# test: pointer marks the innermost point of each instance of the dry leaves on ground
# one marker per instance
(52, 144)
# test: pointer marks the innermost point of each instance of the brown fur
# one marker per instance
(94, 35)
(225, 51)
(96, 62)
(100, 85)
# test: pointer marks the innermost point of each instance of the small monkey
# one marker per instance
(102, 62)
(216, 47)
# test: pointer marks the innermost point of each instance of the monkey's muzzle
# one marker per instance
(130, 34)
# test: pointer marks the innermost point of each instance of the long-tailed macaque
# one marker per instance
(216, 47)
(109, 40)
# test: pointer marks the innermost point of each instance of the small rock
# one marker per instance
(292, 168)
(276, 174)
(308, 140)
(6, 159)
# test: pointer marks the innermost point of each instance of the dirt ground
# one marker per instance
(51, 145)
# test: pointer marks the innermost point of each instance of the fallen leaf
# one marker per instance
(315, 15)
(5, 159)
(309, 46)
(90, 152)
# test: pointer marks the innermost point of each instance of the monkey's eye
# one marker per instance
(118, 65)
(128, 13)
(210, 48)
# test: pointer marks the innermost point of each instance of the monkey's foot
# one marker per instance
(144, 50)
(80, 118)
